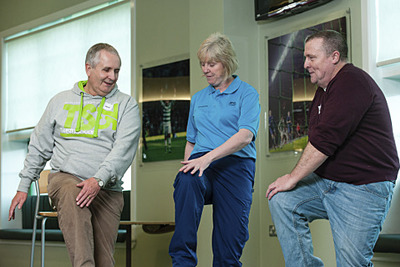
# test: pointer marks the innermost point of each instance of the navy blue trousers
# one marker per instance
(227, 184)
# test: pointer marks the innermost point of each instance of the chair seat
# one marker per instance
(151, 227)
(48, 213)
(145, 223)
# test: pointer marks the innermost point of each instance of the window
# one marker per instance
(45, 62)
(387, 29)
(384, 53)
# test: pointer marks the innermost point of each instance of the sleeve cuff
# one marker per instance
(24, 185)
(103, 175)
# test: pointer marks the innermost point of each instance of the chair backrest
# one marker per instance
(30, 207)
(41, 188)
(43, 181)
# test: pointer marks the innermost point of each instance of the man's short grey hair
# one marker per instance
(332, 41)
(92, 56)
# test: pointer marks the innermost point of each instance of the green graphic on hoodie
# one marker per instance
(87, 124)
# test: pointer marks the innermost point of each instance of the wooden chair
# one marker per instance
(41, 188)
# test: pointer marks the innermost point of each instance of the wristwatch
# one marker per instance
(100, 182)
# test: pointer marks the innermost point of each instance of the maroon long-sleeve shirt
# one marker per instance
(350, 123)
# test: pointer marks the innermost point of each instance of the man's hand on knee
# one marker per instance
(90, 189)
(283, 183)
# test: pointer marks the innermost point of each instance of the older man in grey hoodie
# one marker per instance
(90, 133)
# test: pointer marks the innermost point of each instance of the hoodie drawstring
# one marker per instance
(98, 118)
(78, 123)
(99, 112)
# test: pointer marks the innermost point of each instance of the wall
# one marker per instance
(162, 36)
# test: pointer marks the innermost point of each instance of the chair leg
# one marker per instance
(43, 238)
(33, 240)
(128, 245)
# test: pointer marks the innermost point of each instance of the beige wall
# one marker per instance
(162, 36)
(172, 30)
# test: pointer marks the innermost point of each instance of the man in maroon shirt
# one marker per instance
(347, 171)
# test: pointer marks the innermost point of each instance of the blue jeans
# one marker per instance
(355, 213)
(227, 184)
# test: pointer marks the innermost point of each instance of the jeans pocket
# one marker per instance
(379, 189)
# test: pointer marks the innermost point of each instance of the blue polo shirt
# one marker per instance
(214, 117)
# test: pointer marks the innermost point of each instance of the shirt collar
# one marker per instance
(233, 87)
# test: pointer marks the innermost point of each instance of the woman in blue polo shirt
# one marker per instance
(219, 161)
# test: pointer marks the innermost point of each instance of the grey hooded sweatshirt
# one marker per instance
(86, 136)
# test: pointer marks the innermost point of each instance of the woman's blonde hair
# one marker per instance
(217, 47)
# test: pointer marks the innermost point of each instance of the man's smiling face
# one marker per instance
(103, 76)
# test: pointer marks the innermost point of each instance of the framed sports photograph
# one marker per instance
(165, 109)
(290, 90)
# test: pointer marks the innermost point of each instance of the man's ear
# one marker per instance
(88, 68)
(336, 57)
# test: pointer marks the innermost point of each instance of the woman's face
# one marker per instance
(214, 72)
